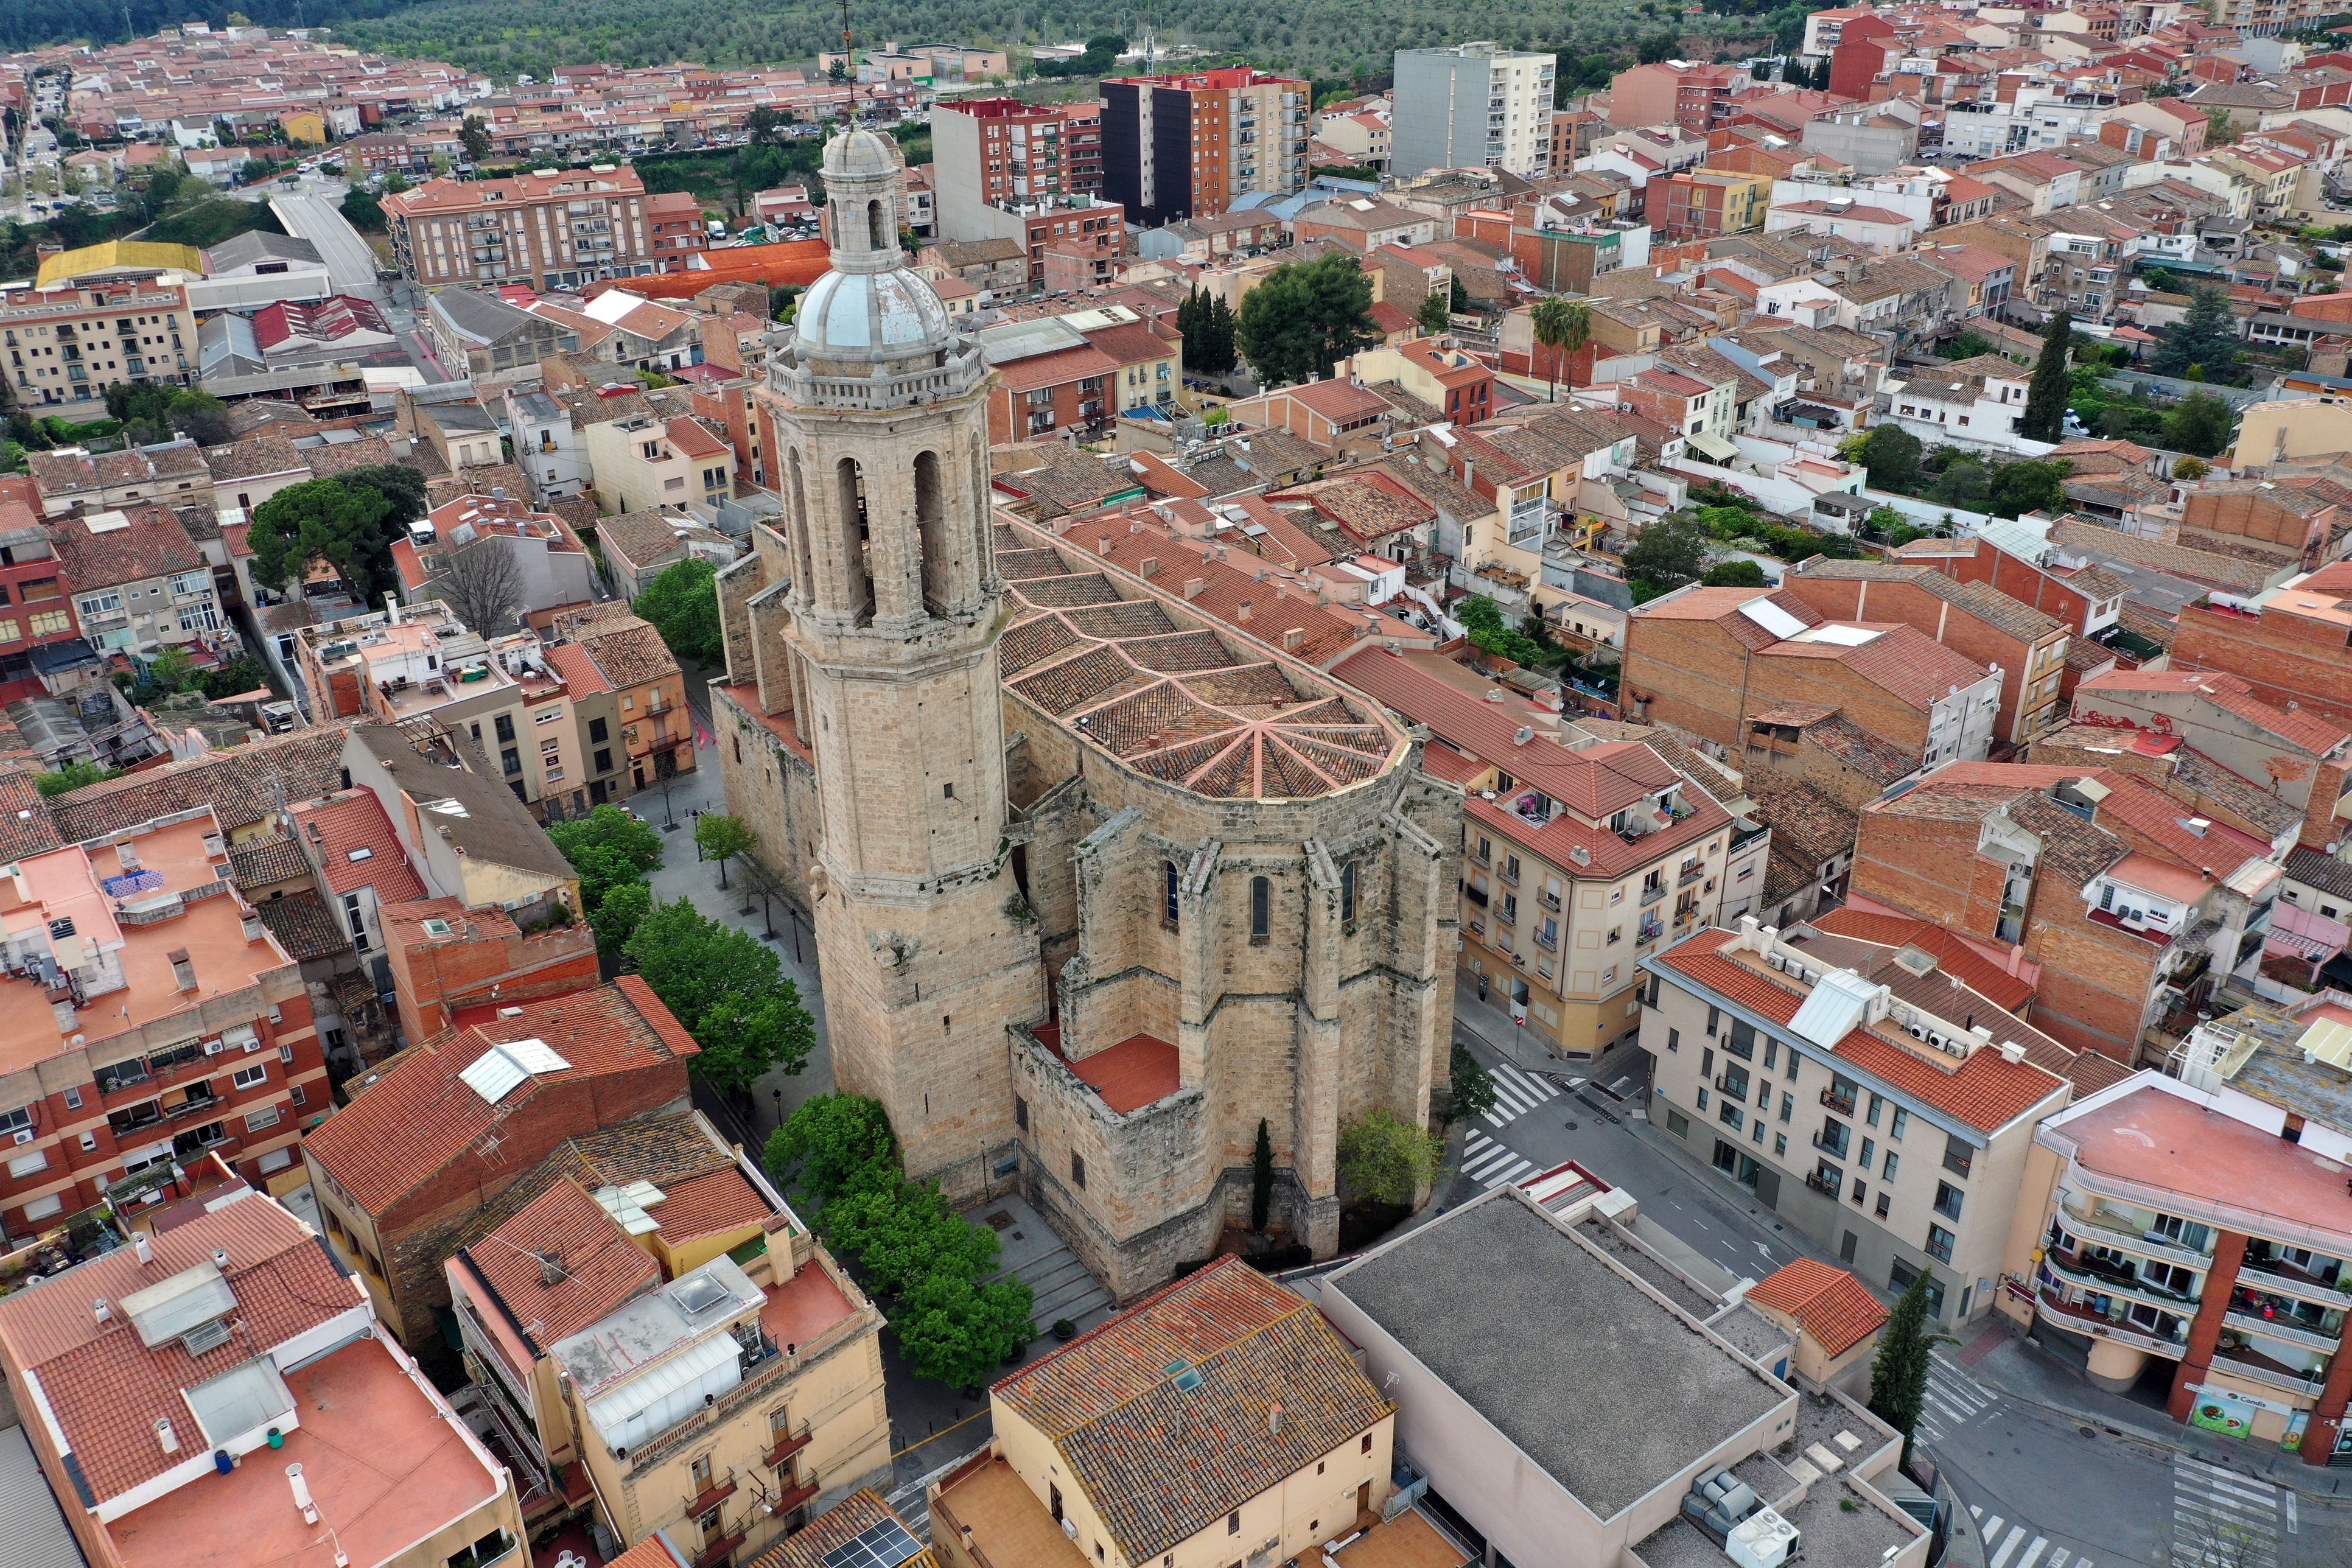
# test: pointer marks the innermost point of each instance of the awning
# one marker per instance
(1714, 447)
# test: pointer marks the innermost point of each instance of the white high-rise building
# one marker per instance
(1473, 106)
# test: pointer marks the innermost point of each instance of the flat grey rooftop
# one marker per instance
(1683, 1544)
(1664, 1278)
(1836, 1536)
(1758, 1337)
(1767, 1477)
(1822, 1419)
(1612, 1392)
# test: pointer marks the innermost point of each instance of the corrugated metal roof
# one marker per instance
(36, 1535)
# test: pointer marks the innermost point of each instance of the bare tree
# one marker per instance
(484, 585)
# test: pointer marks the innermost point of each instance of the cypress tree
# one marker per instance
(1261, 1178)
(1898, 1377)
(2044, 418)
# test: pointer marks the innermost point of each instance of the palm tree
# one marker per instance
(1563, 326)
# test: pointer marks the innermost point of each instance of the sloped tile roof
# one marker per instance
(25, 825)
(237, 784)
(1161, 1463)
(670, 1150)
(1836, 1308)
(835, 1528)
(152, 545)
(358, 848)
(561, 1264)
(630, 655)
(303, 926)
(273, 857)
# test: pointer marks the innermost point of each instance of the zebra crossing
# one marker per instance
(1490, 1163)
(2010, 1544)
(2222, 1519)
(1517, 1092)
(1953, 1399)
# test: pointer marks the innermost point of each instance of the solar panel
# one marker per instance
(536, 1055)
(883, 1545)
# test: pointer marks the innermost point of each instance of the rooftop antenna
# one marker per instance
(849, 64)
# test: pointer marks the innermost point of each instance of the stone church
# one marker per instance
(1099, 882)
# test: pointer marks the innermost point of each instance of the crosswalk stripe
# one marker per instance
(1976, 1511)
(2212, 1472)
(1953, 1414)
(1958, 1396)
(1992, 1528)
(2058, 1558)
(2016, 1537)
(2237, 1502)
(1512, 1174)
(1540, 1088)
(1489, 1160)
(2033, 1552)
(2235, 1487)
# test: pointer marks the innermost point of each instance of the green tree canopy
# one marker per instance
(73, 775)
(1898, 1377)
(1384, 1159)
(1891, 453)
(1481, 618)
(347, 526)
(1733, 574)
(618, 911)
(959, 1332)
(2206, 338)
(728, 989)
(610, 848)
(1670, 551)
(2016, 488)
(1564, 326)
(2200, 424)
(721, 837)
(1473, 1087)
(682, 605)
(1304, 318)
(475, 137)
(834, 1144)
(1432, 317)
(2044, 418)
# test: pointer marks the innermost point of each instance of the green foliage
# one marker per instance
(728, 989)
(364, 209)
(151, 412)
(1670, 551)
(2205, 339)
(2191, 469)
(2045, 396)
(1384, 1159)
(1891, 453)
(73, 775)
(476, 136)
(1432, 317)
(682, 605)
(834, 1145)
(1733, 574)
(1564, 326)
(1261, 1176)
(610, 848)
(2202, 424)
(720, 837)
(1207, 323)
(1305, 318)
(1961, 485)
(1898, 1377)
(1473, 1087)
(1967, 345)
(173, 670)
(621, 909)
(346, 525)
(2015, 489)
(1481, 618)
(208, 222)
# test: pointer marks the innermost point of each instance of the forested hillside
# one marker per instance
(1329, 37)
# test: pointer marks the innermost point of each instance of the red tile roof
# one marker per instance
(581, 675)
(705, 1206)
(1954, 954)
(1836, 1308)
(1987, 1091)
(2233, 695)
(357, 848)
(596, 1264)
(417, 1118)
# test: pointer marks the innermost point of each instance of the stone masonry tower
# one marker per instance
(893, 608)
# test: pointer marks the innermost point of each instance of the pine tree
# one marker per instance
(1261, 1178)
(2044, 418)
(2206, 335)
(1898, 1377)
(1221, 333)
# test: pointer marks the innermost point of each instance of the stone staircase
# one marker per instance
(1032, 1254)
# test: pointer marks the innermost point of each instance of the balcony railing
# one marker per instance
(2291, 1281)
(2284, 1329)
(720, 1550)
(2082, 1320)
(1652, 895)
(721, 1487)
(2107, 1233)
(2083, 1272)
(1839, 1102)
(1836, 1147)
(2260, 1368)
(795, 1496)
(783, 1451)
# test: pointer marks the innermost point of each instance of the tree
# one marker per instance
(1261, 1178)
(1490, 633)
(608, 828)
(728, 989)
(764, 126)
(475, 137)
(1434, 317)
(1898, 1377)
(1733, 574)
(76, 774)
(1563, 326)
(2191, 469)
(2206, 336)
(1307, 316)
(1384, 1159)
(1960, 485)
(362, 210)
(2201, 424)
(172, 671)
(1473, 1085)
(1225, 338)
(483, 583)
(329, 519)
(612, 850)
(959, 1332)
(618, 913)
(2015, 489)
(1891, 453)
(1670, 551)
(721, 837)
(834, 1144)
(200, 417)
(682, 605)
(2044, 418)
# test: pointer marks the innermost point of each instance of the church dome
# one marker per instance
(872, 315)
(866, 153)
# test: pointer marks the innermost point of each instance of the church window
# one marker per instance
(1261, 911)
(1348, 893)
(874, 234)
(931, 531)
(1168, 890)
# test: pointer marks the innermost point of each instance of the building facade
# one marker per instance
(1175, 147)
(1473, 106)
(549, 231)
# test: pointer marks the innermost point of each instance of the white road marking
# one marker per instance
(2016, 1539)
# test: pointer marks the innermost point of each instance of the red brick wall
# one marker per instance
(2289, 661)
(432, 981)
(1854, 600)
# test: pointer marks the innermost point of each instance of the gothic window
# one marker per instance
(931, 533)
(1348, 893)
(1261, 910)
(1167, 886)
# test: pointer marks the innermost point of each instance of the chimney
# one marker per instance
(550, 1268)
(301, 1494)
(252, 924)
(1292, 638)
(220, 1259)
(145, 1248)
(1192, 586)
(1242, 612)
(1273, 1419)
(101, 1310)
(1149, 566)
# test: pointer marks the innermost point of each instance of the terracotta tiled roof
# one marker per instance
(1983, 600)
(561, 1264)
(705, 1206)
(358, 848)
(629, 655)
(273, 857)
(237, 784)
(25, 826)
(581, 675)
(1981, 974)
(670, 1150)
(1906, 664)
(268, 453)
(152, 545)
(1810, 823)
(2234, 696)
(417, 1117)
(1836, 1308)
(1161, 1463)
(835, 1528)
(303, 926)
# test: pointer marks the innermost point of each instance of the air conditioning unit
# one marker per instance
(24, 1135)
(212, 1047)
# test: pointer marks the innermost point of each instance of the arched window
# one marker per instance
(874, 227)
(931, 533)
(804, 554)
(1167, 886)
(849, 486)
(1261, 908)
(1348, 893)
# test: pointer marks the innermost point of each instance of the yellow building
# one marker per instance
(2290, 428)
(678, 1354)
(1260, 1441)
(304, 127)
(67, 345)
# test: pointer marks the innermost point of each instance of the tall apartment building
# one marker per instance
(1176, 147)
(1696, 96)
(547, 230)
(146, 1017)
(1023, 172)
(1473, 106)
(69, 345)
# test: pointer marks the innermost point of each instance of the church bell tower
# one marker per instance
(878, 406)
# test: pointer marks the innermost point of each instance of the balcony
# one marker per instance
(795, 1496)
(1828, 1185)
(720, 1549)
(1841, 1101)
(720, 1487)
(1690, 874)
(1835, 1147)
(2257, 1367)
(2289, 1281)
(2286, 1330)
(2104, 1230)
(783, 1451)
(2082, 1320)
(2110, 1280)
(1650, 895)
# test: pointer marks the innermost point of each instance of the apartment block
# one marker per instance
(216, 1395)
(2137, 912)
(69, 345)
(1578, 857)
(1878, 1096)
(180, 1028)
(1696, 96)
(646, 461)
(1706, 203)
(674, 1352)
(548, 230)
(1175, 147)
(650, 710)
(1473, 106)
